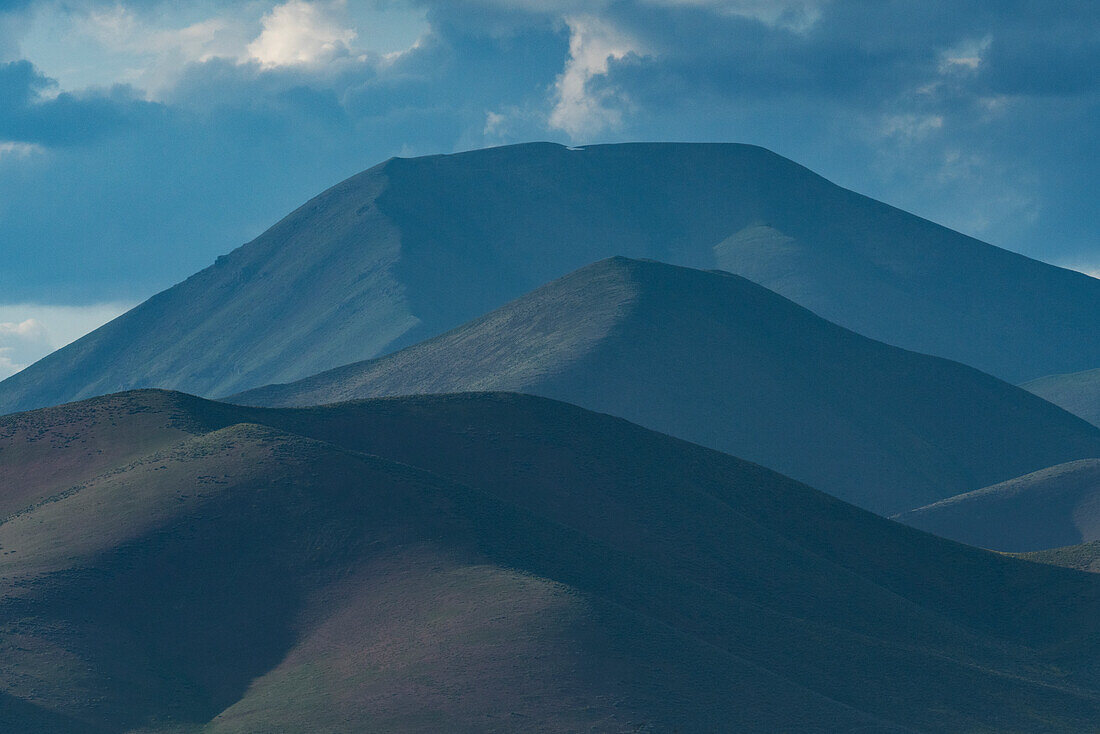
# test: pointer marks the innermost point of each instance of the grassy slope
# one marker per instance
(717, 360)
(542, 567)
(411, 248)
(61, 447)
(1077, 392)
(1083, 557)
(1053, 507)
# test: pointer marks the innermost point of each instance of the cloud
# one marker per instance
(978, 115)
(910, 128)
(153, 54)
(795, 15)
(18, 150)
(494, 121)
(299, 32)
(20, 344)
(29, 116)
(30, 331)
(580, 108)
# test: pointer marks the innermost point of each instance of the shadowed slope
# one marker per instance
(413, 247)
(1078, 392)
(715, 359)
(1050, 508)
(504, 562)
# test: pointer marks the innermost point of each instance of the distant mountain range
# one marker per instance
(1055, 507)
(718, 360)
(492, 562)
(414, 247)
(1078, 392)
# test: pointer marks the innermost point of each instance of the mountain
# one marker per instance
(1078, 392)
(1054, 507)
(718, 360)
(413, 247)
(496, 562)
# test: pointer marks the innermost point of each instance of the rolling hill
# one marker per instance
(1082, 557)
(1051, 508)
(495, 562)
(715, 359)
(413, 247)
(1078, 392)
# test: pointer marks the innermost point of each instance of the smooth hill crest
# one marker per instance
(718, 360)
(413, 247)
(396, 564)
(1078, 392)
(1051, 508)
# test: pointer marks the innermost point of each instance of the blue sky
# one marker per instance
(140, 139)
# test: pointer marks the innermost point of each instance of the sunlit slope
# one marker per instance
(413, 247)
(1078, 392)
(1050, 508)
(718, 360)
(503, 562)
(1082, 557)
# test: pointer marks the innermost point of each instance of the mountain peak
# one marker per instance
(716, 359)
(414, 247)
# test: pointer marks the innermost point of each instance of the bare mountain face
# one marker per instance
(413, 247)
(716, 359)
(492, 562)
(1052, 508)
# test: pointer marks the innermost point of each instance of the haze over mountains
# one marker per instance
(494, 562)
(413, 247)
(718, 360)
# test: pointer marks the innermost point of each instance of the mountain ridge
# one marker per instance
(413, 247)
(713, 358)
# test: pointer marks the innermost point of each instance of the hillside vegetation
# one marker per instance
(496, 562)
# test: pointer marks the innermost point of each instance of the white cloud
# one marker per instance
(578, 109)
(965, 56)
(151, 57)
(12, 149)
(494, 121)
(299, 32)
(909, 128)
(29, 331)
(20, 344)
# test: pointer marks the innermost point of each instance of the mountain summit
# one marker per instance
(719, 360)
(413, 247)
